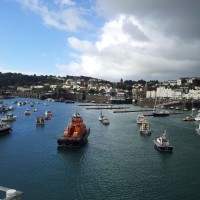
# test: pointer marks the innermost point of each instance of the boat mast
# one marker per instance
(155, 103)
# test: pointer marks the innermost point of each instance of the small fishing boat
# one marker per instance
(32, 103)
(101, 117)
(105, 121)
(19, 104)
(27, 112)
(40, 120)
(189, 118)
(162, 143)
(11, 108)
(3, 109)
(145, 128)
(5, 128)
(35, 110)
(76, 133)
(140, 118)
(48, 114)
(9, 118)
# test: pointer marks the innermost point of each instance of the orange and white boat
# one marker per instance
(76, 133)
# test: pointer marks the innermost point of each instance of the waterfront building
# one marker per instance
(162, 92)
(192, 94)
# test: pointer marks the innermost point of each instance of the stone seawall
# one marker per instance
(73, 97)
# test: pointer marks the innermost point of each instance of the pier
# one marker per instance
(126, 111)
(95, 105)
(149, 114)
(109, 107)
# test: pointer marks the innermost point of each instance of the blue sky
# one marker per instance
(105, 39)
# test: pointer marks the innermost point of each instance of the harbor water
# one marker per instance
(117, 162)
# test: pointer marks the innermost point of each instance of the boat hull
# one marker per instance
(8, 120)
(39, 124)
(5, 130)
(145, 132)
(163, 147)
(72, 142)
(188, 119)
(160, 114)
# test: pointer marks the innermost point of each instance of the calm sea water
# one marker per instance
(117, 163)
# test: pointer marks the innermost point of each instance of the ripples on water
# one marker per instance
(117, 163)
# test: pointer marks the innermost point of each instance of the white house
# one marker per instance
(195, 94)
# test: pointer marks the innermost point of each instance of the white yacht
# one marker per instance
(5, 128)
(27, 112)
(9, 117)
(140, 118)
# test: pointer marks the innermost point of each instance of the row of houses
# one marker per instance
(71, 85)
(138, 90)
(163, 92)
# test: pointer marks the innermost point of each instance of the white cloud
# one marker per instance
(65, 2)
(82, 46)
(68, 18)
(139, 39)
(118, 55)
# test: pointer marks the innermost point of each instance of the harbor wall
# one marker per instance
(69, 96)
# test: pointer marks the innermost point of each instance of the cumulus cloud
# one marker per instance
(142, 53)
(139, 39)
(82, 46)
(66, 16)
(174, 17)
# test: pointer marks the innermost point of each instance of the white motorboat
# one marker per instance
(19, 104)
(27, 112)
(32, 103)
(11, 108)
(9, 117)
(140, 118)
(5, 128)
(35, 110)
(105, 121)
(145, 128)
(162, 143)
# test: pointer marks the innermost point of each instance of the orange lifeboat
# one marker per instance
(69, 131)
(75, 134)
